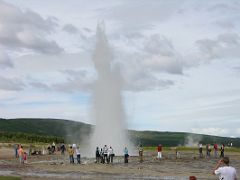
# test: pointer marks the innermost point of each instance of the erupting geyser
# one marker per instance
(108, 110)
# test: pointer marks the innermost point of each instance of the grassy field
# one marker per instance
(184, 148)
(9, 178)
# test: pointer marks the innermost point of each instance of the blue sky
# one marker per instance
(179, 61)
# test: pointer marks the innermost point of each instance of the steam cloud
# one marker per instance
(108, 111)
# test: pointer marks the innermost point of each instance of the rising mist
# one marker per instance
(108, 111)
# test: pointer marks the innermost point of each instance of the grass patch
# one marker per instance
(184, 148)
(9, 178)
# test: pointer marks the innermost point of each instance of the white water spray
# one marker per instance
(108, 109)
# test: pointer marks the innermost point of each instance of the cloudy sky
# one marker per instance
(180, 61)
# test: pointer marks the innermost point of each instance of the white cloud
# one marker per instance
(212, 131)
(70, 29)
(12, 84)
(226, 45)
(39, 85)
(158, 63)
(21, 30)
(136, 15)
(5, 61)
(238, 132)
(144, 81)
(81, 80)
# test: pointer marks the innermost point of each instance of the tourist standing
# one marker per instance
(215, 147)
(24, 157)
(53, 147)
(15, 148)
(208, 150)
(102, 156)
(140, 151)
(110, 154)
(63, 149)
(159, 150)
(222, 150)
(98, 156)
(30, 150)
(20, 154)
(125, 151)
(105, 153)
(200, 150)
(78, 155)
(225, 172)
(71, 153)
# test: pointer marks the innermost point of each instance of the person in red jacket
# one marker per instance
(159, 150)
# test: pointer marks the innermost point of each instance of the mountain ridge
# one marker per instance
(74, 130)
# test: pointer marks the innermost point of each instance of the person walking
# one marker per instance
(225, 171)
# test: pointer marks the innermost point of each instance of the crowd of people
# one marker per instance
(103, 155)
(209, 149)
(106, 155)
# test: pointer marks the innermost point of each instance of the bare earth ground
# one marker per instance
(57, 167)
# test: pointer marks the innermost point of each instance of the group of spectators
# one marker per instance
(73, 151)
(209, 149)
(20, 153)
(104, 155)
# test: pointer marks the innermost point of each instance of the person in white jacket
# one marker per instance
(105, 153)
(77, 150)
(225, 172)
(110, 155)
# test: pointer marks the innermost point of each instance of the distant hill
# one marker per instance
(71, 131)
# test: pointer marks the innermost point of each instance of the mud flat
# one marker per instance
(54, 167)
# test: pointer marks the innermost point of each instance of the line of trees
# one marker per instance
(28, 138)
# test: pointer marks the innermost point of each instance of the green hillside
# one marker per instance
(153, 138)
(68, 131)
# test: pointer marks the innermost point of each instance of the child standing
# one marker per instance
(24, 157)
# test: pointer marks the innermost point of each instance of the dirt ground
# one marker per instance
(57, 167)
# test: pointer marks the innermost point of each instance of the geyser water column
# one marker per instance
(108, 111)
